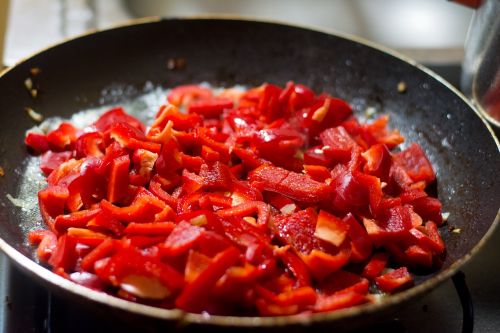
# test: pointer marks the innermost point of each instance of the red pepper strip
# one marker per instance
(338, 301)
(51, 201)
(64, 256)
(297, 267)
(246, 209)
(105, 249)
(219, 147)
(118, 179)
(132, 138)
(193, 297)
(142, 242)
(106, 222)
(74, 220)
(395, 280)
(51, 160)
(210, 108)
(37, 142)
(183, 237)
(302, 297)
(361, 244)
(142, 209)
(215, 201)
(157, 190)
(155, 228)
(47, 243)
(294, 185)
(376, 265)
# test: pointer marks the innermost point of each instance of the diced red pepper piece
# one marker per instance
(89, 144)
(196, 263)
(393, 227)
(185, 95)
(330, 228)
(62, 137)
(376, 265)
(51, 160)
(216, 177)
(416, 164)
(318, 173)
(297, 230)
(37, 142)
(106, 248)
(294, 185)
(181, 239)
(361, 244)
(338, 301)
(64, 255)
(118, 179)
(378, 161)
(377, 132)
(297, 267)
(337, 143)
(193, 296)
(395, 280)
(248, 208)
(327, 112)
(344, 281)
(52, 201)
(321, 264)
(142, 209)
(210, 108)
(117, 115)
(154, 228)
(46, 241)
(74, 220)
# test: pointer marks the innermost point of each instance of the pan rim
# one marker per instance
(185, 318)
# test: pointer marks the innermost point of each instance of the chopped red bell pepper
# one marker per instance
(247, 204)
(395, 280)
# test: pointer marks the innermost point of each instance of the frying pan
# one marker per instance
(225, 52)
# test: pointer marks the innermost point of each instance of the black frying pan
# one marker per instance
(226, 52)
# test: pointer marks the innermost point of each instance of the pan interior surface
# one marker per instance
(116, 65)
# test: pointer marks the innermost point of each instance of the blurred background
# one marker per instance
(430, 31)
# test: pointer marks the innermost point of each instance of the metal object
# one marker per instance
(226, 52)
(481, 66)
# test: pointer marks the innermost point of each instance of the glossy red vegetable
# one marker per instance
(272, 201)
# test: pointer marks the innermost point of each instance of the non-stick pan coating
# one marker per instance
(227, 52)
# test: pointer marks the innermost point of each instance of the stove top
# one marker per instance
(25, 306)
